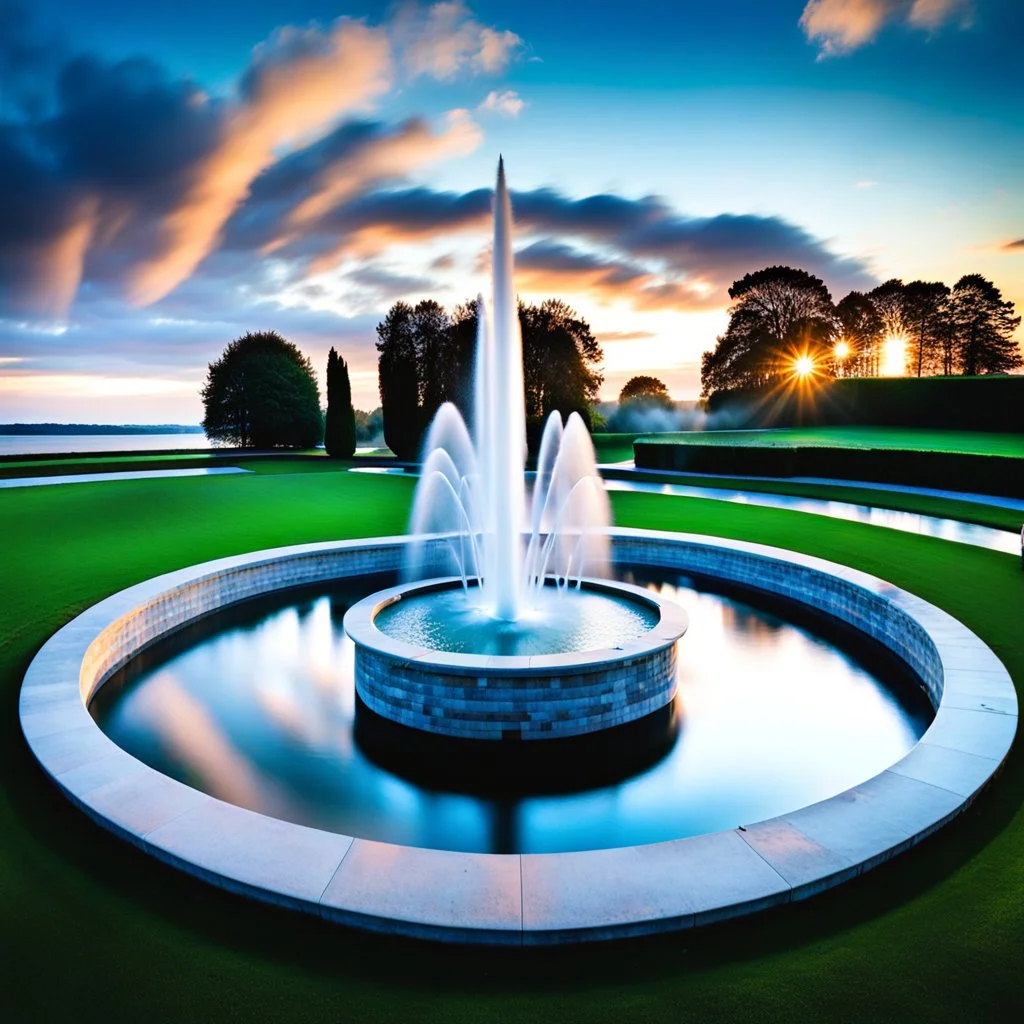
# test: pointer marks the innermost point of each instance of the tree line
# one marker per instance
(262, 391)
(780, 315)
(427, 354)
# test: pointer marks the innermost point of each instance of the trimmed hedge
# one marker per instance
(984, 474)
(953, 403)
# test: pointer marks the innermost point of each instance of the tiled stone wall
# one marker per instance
(871, 612)
(496, 707)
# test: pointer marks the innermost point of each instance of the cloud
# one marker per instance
(612, 247)
(614, 336)
(1011, 246)
(296, 84)
(445, 39)
(118, 172)
(508, 103)
(840, 26)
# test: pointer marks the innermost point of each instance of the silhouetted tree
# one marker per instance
(437, 370)
(984, 324)
(340, 424)
(399, 381)
(924, 316)
(860, 327)
(888, 300)
(429, 354)
(647, 390)
(777, 313)
(262, 393)
(561, 360)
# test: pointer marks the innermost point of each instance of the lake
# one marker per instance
(43, 444)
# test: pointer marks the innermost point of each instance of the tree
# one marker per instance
(262, 393)
(888, 300)
(984, 326)
(860, 329)
(777, 314)
(645, 390)
(399, 381)
(370, 426)
(561, 360)
(437, 370)
(924, 314)
(340, 425)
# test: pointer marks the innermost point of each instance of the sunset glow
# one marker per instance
(894, 357)
(298, 165)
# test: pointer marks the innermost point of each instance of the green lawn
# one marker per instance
(92, 928)
(963, 441)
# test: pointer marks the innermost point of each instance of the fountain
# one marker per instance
(505, 627)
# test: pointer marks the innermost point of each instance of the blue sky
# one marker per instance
(234, 178)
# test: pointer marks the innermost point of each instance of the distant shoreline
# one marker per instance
(81, 429)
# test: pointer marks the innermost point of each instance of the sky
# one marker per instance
(177, 172)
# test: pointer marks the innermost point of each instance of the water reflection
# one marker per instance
(258, 708)
(907, 522)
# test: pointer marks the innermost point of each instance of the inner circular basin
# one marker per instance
(776, 709)
(555, 620)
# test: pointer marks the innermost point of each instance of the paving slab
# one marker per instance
(422, 892)
(974, 732)
(959, 772)
(640, 889)
(278, 861)
(806, 865)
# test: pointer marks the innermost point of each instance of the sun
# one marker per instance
(894, 356)
(804, 366)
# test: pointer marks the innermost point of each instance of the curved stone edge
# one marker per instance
(466, 696)
(529, 898)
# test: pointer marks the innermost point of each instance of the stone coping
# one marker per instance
(527, 898)
(359, 625)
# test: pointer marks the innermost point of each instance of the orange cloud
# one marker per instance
(445, 39)
(51, 270)
(296, 84)
(390, 156)
(840, 26)
(507, 103)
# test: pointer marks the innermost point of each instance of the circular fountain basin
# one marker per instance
(429, 658)
(538, 898)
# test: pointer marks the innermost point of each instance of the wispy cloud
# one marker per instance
(445, 39)
(840, 26)
(1011, 246)
(506, 102)
(124, 173)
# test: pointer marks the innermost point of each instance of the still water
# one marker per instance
(256, 706)
(48, 444)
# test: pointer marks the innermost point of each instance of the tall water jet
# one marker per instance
(507, 409)
(472, 489)
(511, 637)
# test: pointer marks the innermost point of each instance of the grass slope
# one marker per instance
(90, 925)
(963, 441)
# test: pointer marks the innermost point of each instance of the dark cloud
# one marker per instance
(1019, 244)
(643, 247)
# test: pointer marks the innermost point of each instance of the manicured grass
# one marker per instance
(92, 928)
(963, 441)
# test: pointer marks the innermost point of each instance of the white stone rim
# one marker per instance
(523, 898)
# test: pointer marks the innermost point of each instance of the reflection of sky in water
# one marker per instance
(906, 522)
(261, 715)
